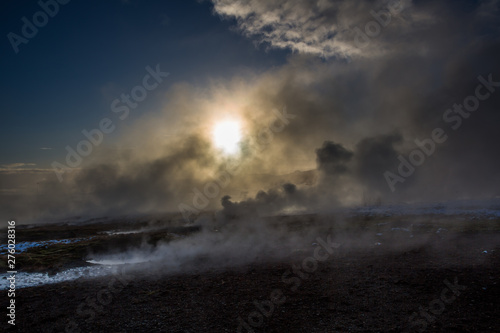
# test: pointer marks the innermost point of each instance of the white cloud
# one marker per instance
(319, 27)
(18, 165)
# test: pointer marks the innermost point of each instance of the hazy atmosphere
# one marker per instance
(224, 133)
(306, 91)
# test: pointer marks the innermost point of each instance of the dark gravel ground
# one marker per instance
(367, 290)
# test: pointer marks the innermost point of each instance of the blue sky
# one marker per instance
(53, 88)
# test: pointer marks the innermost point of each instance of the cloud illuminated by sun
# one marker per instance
(226, 136)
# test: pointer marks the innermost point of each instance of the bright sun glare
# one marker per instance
(227, 136)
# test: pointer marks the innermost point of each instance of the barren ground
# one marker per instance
(375, 288)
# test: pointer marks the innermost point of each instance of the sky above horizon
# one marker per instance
(64, 79)
(259, 106)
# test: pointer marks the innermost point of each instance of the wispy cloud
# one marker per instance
(321, 27)
(18, 165)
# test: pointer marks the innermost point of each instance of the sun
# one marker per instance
(226, 136)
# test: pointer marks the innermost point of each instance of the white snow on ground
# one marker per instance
(489, 209)
(23, 246)
(24, 280)
(118, 261)
(127, 232)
